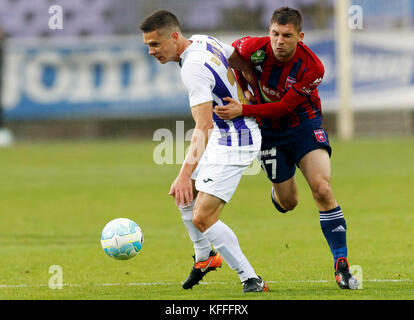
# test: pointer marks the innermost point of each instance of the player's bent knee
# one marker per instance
(322, 191)
(198, 223)
(289, 204)
(206, 211)
(202, 223)
(288, 200)
(200, 219)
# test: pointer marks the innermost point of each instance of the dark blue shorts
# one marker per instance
(279, 163)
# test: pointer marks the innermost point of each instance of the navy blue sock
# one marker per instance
(334, 229)
(276, 204)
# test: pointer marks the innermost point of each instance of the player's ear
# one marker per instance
(175, 35)
(301, 36)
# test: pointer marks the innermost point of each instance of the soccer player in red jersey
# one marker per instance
(285, 76)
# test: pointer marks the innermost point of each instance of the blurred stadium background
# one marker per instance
(93, 78)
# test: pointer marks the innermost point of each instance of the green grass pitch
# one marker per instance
(55, 198)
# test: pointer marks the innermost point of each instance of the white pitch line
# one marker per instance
(176, 283)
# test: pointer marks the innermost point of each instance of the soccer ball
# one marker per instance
(122, 239)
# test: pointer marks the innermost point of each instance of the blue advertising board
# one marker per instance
(116, 78)
(105, 79)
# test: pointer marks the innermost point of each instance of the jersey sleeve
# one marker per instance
(199, 83)
(245, 46)
(310, 80)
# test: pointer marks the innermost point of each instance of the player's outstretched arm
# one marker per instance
(182, 189)
(243, 71)
(296, 95)
(231, 110)
(265, 110)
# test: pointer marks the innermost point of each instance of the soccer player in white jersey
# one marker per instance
(219, 151)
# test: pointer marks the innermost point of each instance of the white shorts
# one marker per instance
(221, 178)
(220, 181)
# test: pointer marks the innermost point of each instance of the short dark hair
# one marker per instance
(286, 15)
(162, 19)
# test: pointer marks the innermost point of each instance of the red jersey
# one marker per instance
(287, 92)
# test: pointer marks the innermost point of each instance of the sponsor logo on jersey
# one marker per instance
(317, 82)
(269, 94)
(312, 86)
(306, 90)
(258, 56)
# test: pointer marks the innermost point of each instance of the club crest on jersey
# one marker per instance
(290, 81)
(320, 135)
(258, 56)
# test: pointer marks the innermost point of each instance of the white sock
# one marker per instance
(225, 242)
(202, 246)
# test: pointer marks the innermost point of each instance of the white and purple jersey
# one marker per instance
(208, 77)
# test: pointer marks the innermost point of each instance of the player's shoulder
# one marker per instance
(195, 52)
(200, 43)
(250, 44)
(309, 56)
(199, 40)
(193, 59)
